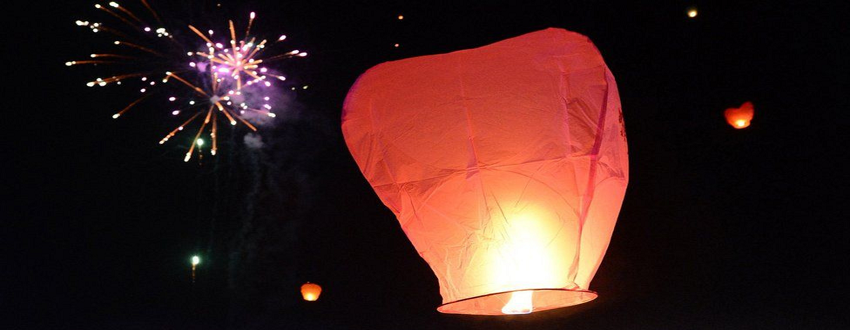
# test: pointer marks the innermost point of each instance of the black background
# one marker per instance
(720, 228)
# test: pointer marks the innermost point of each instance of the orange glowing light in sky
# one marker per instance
(740, 117)
(311, 291)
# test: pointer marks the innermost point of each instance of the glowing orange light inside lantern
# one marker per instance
(520, 303)
(740, 117)
(506, 166)
(311, 291)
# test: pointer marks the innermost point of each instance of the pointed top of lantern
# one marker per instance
(740, 117)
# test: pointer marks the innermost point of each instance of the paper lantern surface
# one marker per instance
(506, 166)
(740, 117)
(310, 291)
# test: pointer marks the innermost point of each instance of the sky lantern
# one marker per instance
(740, 117)
(310, 291)
(505, 165)
(196, 260)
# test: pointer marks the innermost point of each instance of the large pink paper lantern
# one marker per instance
(506, 166)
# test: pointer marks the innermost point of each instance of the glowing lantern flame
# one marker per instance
(506, 166)
(520, 303)
(740, 117)
(311, 291)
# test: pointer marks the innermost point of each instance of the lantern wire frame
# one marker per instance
(543, 298)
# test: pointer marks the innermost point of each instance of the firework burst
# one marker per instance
(228, 80)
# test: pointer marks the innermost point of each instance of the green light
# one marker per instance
(200, 142)
(196, 260)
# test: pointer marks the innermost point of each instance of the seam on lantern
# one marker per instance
(558, 193)
(382, 150)
(424, 202)
(489, 167)
(469, 129)
(445, 272)
(530, 178)
(481, 222)
(587, 197)
(594, 152)
(563, 87)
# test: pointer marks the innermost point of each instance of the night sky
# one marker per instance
(720, 228)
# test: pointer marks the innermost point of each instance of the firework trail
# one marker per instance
(228, 79)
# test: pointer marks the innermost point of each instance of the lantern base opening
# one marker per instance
(542, 299)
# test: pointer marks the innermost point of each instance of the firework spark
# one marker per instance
(228, 80)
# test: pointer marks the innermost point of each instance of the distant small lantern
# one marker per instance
(505, 165)
(311, 291)
(740, 117)
(195, 261)
(692, 12)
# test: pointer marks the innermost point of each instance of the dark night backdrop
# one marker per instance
(720, 228)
